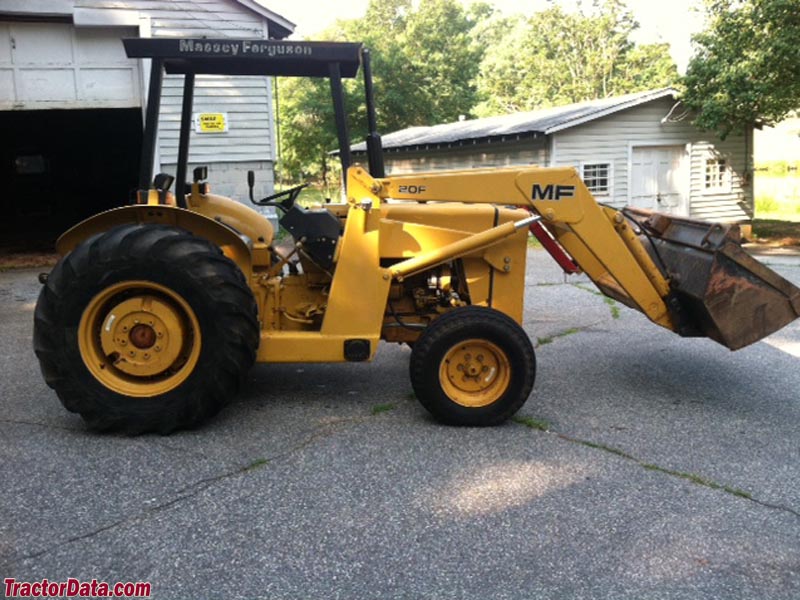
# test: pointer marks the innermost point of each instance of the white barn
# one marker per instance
(638, 150)
(72, 103)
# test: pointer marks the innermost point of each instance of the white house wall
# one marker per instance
(243, 99)
(220, 18)
(246, 100)
(611, 138)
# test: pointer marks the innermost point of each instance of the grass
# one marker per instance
(256, 464)
(604, 448)
(546, 340)
(533, 242)
(532, 423)
(612, 305)
(382, 408)
(774, 232)
(697, 480)
(777, 190)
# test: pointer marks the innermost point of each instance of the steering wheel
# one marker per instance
(285, 205)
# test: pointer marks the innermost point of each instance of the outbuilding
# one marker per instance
(639, 149)
(71, 105)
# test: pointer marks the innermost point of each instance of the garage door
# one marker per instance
(57, 65)
(658, 178)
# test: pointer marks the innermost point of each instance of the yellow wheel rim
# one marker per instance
(475, 373)
(139, 338)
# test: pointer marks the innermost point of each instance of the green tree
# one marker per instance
(557, 57)
(424, 68)
(746, 66)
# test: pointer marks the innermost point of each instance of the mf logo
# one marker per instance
(552, 192)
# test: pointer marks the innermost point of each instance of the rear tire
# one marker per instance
(145, 328)
(473, 366)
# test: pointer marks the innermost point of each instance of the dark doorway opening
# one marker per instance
(61, 166)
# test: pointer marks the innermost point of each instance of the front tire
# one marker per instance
(145, 328)
(473, 366)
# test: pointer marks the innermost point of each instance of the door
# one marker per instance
(57, 65)
(658, 179)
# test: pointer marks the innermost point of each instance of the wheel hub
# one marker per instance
(142, 336)
(139, 338)
(474, 373)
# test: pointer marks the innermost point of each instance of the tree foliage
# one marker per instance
(746, 67)
(424, 69)
(435, 60)
(557, 57)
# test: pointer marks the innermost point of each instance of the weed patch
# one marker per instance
(532, 423)
(542, 425)
(256, 464)
(612, 305)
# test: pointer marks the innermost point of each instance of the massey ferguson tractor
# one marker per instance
(156, 310)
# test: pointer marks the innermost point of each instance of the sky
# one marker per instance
(671, 21)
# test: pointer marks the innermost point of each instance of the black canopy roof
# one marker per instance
(248, 57)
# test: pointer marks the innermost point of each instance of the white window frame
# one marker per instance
(724, 185)
(609, 193)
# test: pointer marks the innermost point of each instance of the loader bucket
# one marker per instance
(717, 289)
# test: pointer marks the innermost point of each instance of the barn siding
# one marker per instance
(246, 100)
(220, 18)
(610, 138)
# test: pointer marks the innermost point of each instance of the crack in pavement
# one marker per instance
(541, 341)
(544, 427)
(202, 485)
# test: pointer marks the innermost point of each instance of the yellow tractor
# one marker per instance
(156, 310)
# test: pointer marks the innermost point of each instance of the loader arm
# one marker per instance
(599, 238)
(688, 276)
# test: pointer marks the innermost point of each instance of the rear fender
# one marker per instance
(237, 248)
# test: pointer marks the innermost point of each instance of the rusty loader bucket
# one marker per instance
(717, 289)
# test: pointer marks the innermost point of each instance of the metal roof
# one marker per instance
(516, 125)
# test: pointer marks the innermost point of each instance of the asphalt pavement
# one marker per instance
(644, 465)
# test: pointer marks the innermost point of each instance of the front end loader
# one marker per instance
(156, 310)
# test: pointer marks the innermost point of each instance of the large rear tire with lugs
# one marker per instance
(473, 366)
(145, 328)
